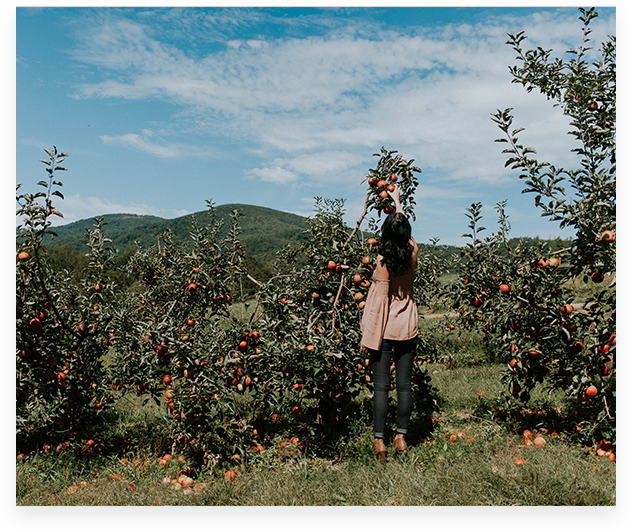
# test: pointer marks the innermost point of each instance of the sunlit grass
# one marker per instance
(467, 460)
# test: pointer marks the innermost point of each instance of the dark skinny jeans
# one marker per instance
(403, 354)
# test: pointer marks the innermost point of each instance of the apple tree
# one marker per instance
(62, 327)
(577, 346)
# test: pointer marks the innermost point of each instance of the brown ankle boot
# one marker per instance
(380, 450)
(399, 445)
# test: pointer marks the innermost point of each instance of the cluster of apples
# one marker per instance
(380, 188)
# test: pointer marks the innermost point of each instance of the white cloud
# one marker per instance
(77, 207)
(428, 94)
(274, 174)
(159, 148)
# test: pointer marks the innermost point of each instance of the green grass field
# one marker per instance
(468, 460)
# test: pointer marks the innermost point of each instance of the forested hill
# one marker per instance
(264, 230)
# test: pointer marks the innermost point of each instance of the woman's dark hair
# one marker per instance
(395, 244)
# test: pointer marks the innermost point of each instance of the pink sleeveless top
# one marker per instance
(390, 311)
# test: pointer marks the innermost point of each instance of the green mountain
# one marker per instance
(264, 231)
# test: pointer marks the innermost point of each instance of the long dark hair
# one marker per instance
(395, 244)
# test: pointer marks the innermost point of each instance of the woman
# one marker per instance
(389, 325)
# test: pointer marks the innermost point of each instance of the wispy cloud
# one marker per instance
(76, 207)
(307, 103)
(149, 143)
(313, 169)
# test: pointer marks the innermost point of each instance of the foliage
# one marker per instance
(389, 171)
(61, 329)
(533, 324)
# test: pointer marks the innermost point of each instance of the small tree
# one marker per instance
(586, 92)
(62, 327)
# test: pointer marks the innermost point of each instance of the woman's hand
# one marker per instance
(395, 195)
(364, 349)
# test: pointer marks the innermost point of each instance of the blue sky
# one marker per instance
(162, 108)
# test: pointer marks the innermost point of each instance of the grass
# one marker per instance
(468, 460)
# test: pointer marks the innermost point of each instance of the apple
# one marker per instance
(504, 288)
(381, 183)
(591, 391)
(190, 322)
(23, 255)
(167, 379)
(371, 241)
(357, 278)
(567, 309)
(331, 265)
(608, 237)
(366, 259)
